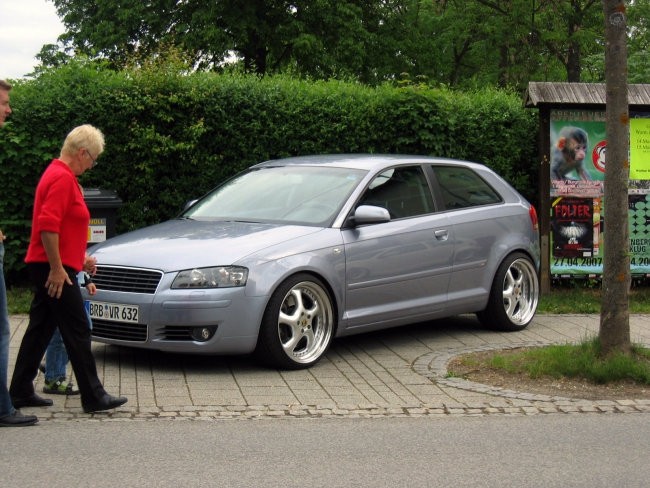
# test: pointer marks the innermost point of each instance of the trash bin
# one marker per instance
(102, 205)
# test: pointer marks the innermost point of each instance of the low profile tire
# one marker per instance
(513, 296)
(298, 324)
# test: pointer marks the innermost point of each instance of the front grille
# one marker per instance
(131, 280)
(105, 329)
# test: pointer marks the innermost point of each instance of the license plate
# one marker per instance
(116, 312)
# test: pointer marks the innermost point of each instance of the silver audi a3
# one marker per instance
(289, 254)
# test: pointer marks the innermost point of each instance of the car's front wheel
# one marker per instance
(513, 296)
(298, 324)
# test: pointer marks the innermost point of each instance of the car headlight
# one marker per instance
(214, 277)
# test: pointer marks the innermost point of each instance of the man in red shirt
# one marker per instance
(55, 255)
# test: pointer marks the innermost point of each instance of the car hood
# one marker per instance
(183, 244)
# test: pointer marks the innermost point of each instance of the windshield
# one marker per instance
(308, 195)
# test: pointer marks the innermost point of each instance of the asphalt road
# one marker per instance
(583, 450)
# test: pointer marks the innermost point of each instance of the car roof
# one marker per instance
(361, 161)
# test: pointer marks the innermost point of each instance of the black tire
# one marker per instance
(298, 324)
(514, 295)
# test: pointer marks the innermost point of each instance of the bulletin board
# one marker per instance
(578, 213)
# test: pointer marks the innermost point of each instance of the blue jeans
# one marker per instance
(6, 407)
(56, 358)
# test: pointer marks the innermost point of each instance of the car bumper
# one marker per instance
(219, 321)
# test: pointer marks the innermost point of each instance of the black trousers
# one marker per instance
(68, 314)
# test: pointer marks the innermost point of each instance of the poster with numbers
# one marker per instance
(578, 209)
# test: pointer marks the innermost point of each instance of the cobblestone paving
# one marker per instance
(398, 373)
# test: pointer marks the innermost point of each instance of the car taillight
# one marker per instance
(533, 217)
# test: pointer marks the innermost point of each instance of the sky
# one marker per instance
(25, 25)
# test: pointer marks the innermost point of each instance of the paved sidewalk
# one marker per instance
(397, 372)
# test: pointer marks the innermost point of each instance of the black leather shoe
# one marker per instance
(31, 401)
(105, 403)
(17, 419)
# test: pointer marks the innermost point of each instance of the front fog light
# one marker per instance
(202, 334)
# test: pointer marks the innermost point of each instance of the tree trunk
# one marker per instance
(614, 315)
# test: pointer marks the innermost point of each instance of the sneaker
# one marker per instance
(60, 387)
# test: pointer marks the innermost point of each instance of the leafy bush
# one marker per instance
(170, 137)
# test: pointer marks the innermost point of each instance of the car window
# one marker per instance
(402, 190)
(461, 187)
(307, 195)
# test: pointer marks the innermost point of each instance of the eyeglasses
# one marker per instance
(94, 160)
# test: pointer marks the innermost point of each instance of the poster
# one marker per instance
(578, 149)
(639, 227)
(640, 148)
(573, 227)
(578, 209)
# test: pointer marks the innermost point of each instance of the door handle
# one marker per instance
(441, 235)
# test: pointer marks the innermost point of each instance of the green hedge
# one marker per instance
(171, 137)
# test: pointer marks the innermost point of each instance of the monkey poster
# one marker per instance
(577, 156)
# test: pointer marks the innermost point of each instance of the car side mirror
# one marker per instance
(370, 214)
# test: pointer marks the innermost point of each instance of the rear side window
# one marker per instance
(462, 188)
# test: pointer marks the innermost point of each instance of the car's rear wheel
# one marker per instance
(513, 296)
(298, 324)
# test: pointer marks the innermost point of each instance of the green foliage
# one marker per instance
(19, 299)
(450, 42)
(171, 136)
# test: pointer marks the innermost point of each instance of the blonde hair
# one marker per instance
(84, 136)
(4, 85)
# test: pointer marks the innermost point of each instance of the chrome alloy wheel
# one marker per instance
(520, 291)
(305, 322)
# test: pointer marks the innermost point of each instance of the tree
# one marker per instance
(614, 330)
(569, 29)
(319, 38)
(639, 42)
(461, 43)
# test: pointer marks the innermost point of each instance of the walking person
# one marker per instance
(56, 357)
(55, 255)
(9, 416)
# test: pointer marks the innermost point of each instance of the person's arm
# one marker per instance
(58, 276)
(92, 288)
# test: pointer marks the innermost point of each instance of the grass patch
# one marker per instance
(19, 300)
(577, 361)
(585, 297)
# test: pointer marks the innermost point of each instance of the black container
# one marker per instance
(102, 205)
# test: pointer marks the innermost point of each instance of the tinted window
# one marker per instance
(403, 191)
(461, 188)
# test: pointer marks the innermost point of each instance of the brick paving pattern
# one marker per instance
(398, 372)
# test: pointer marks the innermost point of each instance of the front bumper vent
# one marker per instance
(104, 329)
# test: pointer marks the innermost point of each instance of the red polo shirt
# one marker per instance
(59, 207)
